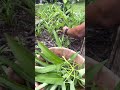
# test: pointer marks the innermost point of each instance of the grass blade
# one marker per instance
(37, 60)
(57, 39)
(72, 57)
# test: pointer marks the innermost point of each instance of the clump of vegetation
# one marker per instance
(8, 10)
(15, 74)
(57, 73)
(52, 17)
(52, 65)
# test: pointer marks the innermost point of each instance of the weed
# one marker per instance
(23, 57)
(52, 18)
(7, 12)
(59, 72)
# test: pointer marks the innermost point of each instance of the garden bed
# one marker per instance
(48, 19)
(18, 23)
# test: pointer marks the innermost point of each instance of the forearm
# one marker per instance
(78, 31)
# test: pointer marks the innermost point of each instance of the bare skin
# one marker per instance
(103, 13)
(76, 32)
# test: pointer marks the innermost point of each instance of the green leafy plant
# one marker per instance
(57, 72)
(26, 72)
(61, 41)
(52, 18)
(7, 12)
(63, 74)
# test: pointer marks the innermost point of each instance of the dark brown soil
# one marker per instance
(75, 44)
(22, 29)
(99, 43)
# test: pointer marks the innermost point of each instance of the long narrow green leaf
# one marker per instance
(40, 62)
(50, 78)
(47, 68)
(12, 85)
(17, 69)
(92, 71)
(45, 58)
(24, 57)
(49, 54)
(72, 57)
(57, 39)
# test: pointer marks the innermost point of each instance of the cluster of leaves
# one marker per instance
(55, 73)
(25, 72)
(52, 17)
(48, 72)
(8, 9)
(58, 73)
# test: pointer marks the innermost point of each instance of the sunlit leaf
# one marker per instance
(50, 78)
(49, 54)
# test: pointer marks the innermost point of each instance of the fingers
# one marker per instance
(65, 29)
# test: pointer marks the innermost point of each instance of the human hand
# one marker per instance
(75, 32)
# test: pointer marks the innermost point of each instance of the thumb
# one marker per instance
(65, 28)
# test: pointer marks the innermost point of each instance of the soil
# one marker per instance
(22, 29)
(99, 42)
(75, 44)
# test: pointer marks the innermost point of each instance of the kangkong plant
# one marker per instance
(55, 72)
